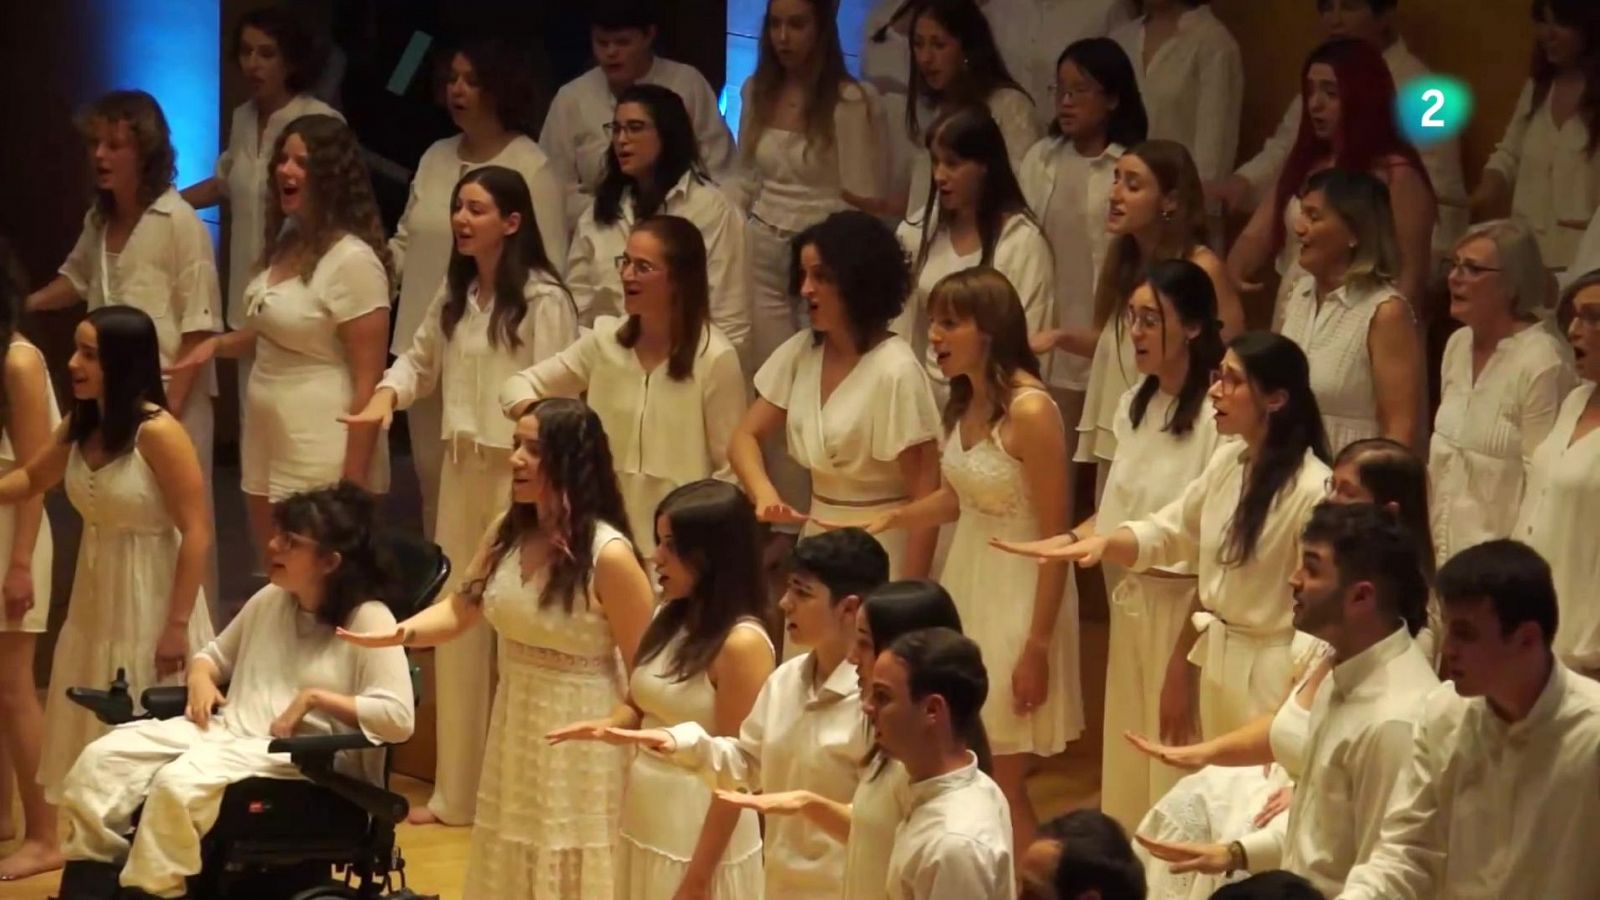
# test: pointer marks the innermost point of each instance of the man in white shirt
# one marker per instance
(1360, 587)
(1502, 794)
(925, 698)
(622, 34)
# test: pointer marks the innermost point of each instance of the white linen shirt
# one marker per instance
(574, 133)
(955, 842)
(798, 735)
(471, 368)
(1487, 430)
(1032, 33)
(1554, 178)
(1193, 88)
(1362, 724)
(1490, 809)
(424, 238)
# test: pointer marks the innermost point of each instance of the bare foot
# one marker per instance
(32, 858)
(422, 815)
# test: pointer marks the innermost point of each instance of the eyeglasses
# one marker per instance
(1470, 268)
(641, 268)
(1070, 92)
(1227, 379)
(1589, 316)
(631, 128)
(1147, 319)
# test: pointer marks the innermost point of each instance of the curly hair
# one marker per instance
(685, 251)
(986, 297)
(505, 74)
(341, 519)
(867, 263)
(302, 61)
(152, 139)
(340, 195)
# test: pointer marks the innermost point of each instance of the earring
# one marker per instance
(1166, 215)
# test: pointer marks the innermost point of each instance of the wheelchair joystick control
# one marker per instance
(113, 706)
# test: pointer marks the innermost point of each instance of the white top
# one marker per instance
(298, 321)
(1489, 809)
(797, 735)
(592, 268)
(1334, 336)
(273, 649)
(955, 842)
(471, 367)
(1071, 193)
(1019, 126)
(424, 238)
(242, 173)
(1193, 88)
(1442, 161)
(1032, 33)
(851, 443)
(885, 63)
(881, 801)
(1555, 180)
(1486, 433)
(1559, 516)
(1587, 257)
(1362, 723)
(574, 135)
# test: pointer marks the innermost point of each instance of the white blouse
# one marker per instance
(955, 842)
(424, 238)
(1334, 335)
(1019, 126)
(1193, 88)
(1487, 430)
(472, 368)
(1032, 33)
(1560, 517)
(298, 320)
(1554, 178)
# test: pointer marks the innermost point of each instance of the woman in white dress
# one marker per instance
(653, 168)
(851, 398)
(29, 416)
(1504, 376)
(320, 308)
(546, 823)
(1347, 315)
(664, 380)
(489, 93)
(132, 474)
(501, 309)
(703, 659)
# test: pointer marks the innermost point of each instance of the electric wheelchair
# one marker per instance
(278, 839)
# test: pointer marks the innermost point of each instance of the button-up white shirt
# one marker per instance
(574, 134)
(1032, 33)
(955, 843)
(1490, 809)
(798, 735)
(1362, 724)
(1555, 180)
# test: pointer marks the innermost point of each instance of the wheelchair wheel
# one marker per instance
(331, 891)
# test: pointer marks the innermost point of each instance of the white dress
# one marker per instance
(35, 619)
(664, 805)
(121, 589)
(1334, 336)
(994, 591)
(547, 815)
(1111, 373)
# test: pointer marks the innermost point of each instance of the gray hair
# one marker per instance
(1522, 269)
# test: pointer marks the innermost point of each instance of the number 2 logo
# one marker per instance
(1436, 97)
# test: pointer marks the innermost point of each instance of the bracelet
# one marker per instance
(1237, 860)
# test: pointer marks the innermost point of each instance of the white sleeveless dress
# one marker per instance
(35, 619)
(547, 815)
(665, 805)
(1334, 338)
(121, 588)
(994, 592)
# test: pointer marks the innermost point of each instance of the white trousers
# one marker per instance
(200, 422)
(775, 316)
(476, 484)
(178, 772)
(424, 422)
(1242, 675)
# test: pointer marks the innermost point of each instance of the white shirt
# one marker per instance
(1032, 33)
(1193, 88)
(1560, 517)
(592, 268)
(1487, 430)
(472, 368)
(574, 134)
(886, 63)
(1019, 126)
(298, 319)
(423, 239)
(242, 172)
(798, 735)
(1586, 258)
(1489, 809)
(955, 843)
(1361, 725)
(880, 803)
(1555, 180)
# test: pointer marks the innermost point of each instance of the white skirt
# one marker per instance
(663, 811)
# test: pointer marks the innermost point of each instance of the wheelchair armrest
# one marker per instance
(312, 745)
(313, 754)
(113, 706)
(165, 702)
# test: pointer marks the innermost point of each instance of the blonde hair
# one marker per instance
(1361, 201)
(1521, 266)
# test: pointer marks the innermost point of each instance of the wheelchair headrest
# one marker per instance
(419, 571)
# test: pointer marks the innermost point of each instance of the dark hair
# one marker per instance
(1273, 362)
(1095, 857)
(685, 251)
(1512, 576)
(971, 134)
(1567, 303)
(823, 84)
(575, 460)
(714, 532)
(984, 70)
(342, 519)
(1378, 7)
(901, 607)
(1370, 544)
(341, 195)
(1181, 234)
(944, 662)
(521, 256)
(987, 298)
(1194, 298)
(130, 376)
(147, 125)
(1278, 884)
(505, 73)
(847, 561)
(1581, 16)
(866, 262)
(1107, 64)
(296, 43)
(615, 15)
(13, 297)
(1394, 474)
(680, 156)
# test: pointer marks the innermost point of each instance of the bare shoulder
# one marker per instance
(23, 360)
(745, 646)
(163, 433)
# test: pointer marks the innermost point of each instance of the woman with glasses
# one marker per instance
(664, 379)
(652, 168)
(1504, 376)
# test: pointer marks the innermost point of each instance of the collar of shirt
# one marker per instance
(839, 685)
(1498, 730)
(1113, 151)
(167, 203)
(1349, 675)
(932, 788)
(686, 185)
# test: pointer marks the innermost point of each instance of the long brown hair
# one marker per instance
(1182, 231)
(685, 251)
(825, 79)
(340, 194)
(986, 298)
(147, 125)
